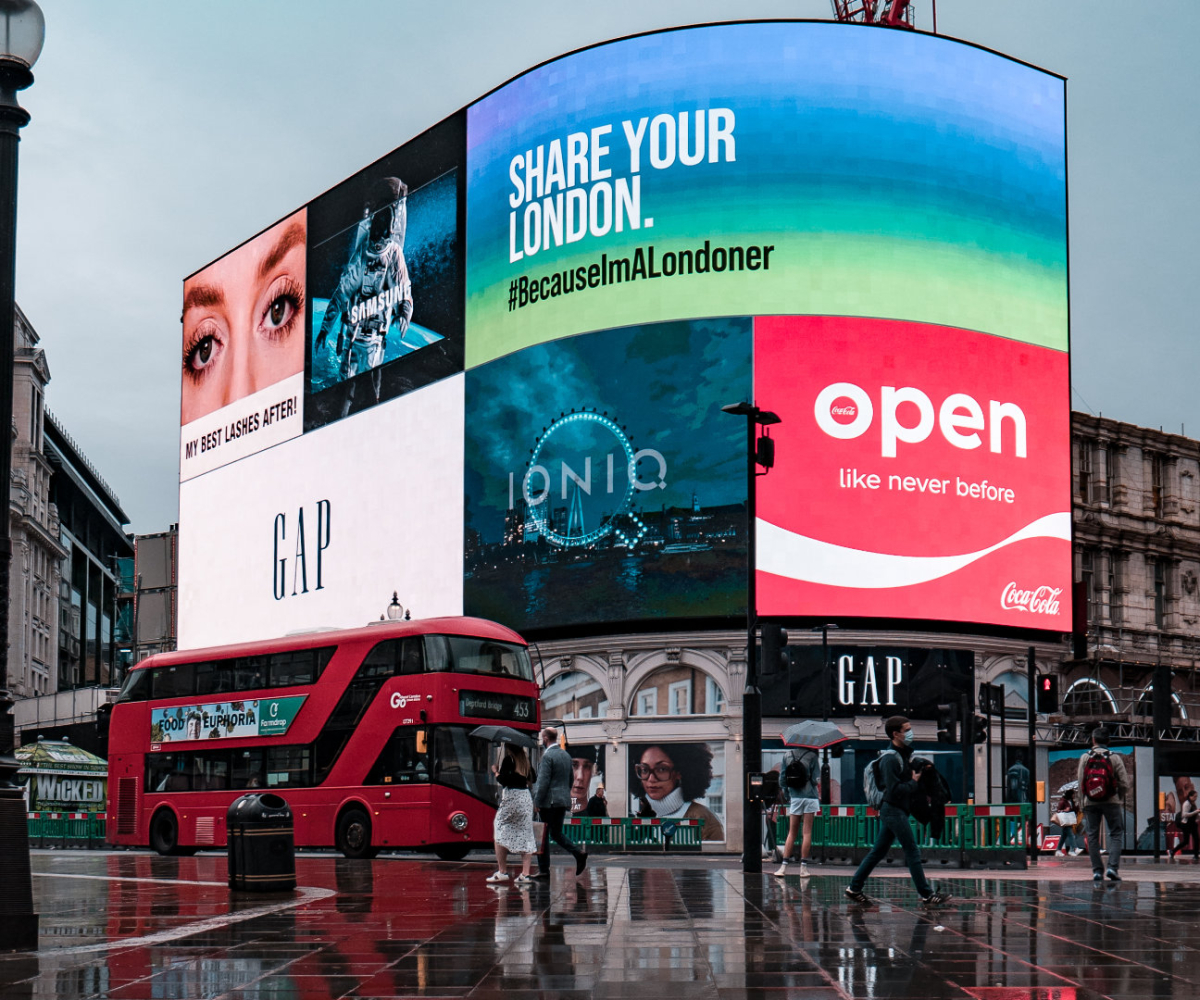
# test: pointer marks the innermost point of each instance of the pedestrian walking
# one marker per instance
(1189, 826)
(892, 781)
(552, 796)
(512, 829)
(1104, 785)
(803, 803)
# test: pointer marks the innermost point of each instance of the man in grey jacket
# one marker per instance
(1110, 808)
(552, 796)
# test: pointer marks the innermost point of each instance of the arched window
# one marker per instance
(1145, 706)
(1016, 694)
(1089, 697)
(678, 690)
(574, 695)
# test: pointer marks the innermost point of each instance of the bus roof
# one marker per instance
(479, 628)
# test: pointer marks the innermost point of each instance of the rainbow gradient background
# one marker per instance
(899, 175)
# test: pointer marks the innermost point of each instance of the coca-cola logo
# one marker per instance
(843, 410)
(1039, 601)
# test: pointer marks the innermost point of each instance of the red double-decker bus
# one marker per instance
(365, 732)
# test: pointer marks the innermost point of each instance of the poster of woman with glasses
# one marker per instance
(678, 781)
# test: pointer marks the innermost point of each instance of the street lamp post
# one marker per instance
(751, 696)
(826, 698)
(22, 31)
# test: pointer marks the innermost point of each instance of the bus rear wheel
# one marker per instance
(164, 834)
(452, 852)
(354, 835)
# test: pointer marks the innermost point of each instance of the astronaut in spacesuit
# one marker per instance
(374, 291)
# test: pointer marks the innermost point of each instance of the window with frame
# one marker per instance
(714, 697)
(1087, 576)
(1114, 596)
(647, 702)
(679, 698)
(1103, 484)
(1158, 478)
(404, 759)
(1085, 470)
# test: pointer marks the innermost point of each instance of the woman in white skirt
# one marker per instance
(513, 827)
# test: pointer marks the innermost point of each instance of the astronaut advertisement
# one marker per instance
(386, 273)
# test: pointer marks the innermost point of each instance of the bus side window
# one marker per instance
(412, 656)
(437, 653)
(174, 682)
(247, 769)
(404, 759)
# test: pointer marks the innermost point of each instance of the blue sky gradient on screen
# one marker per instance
(905, 142)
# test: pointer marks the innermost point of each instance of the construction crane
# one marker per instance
(889, 13)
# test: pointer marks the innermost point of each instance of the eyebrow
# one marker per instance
(200, 296)
(293, 235)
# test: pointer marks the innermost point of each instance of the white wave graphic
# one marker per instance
(797, 557)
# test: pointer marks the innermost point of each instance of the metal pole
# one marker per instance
(18, 922)
(1030, 838)
(987, 711)
(751, 697)
(999, 688)
(826, 696)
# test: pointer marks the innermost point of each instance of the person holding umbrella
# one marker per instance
(512, 829)
(799, 782)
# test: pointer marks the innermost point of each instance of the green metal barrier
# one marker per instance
(634, 834)
(64, 829)
(984, 834)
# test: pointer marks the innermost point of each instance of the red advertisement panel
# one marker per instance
(922, 472)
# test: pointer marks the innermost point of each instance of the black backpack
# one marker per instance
(796, 775)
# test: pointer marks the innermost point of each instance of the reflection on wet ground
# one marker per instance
(140, 927)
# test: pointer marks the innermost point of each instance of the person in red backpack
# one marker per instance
(1103, 788)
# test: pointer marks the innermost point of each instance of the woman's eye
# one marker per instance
(280, 311)
(201, 354)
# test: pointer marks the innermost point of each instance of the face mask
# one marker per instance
(909, 737)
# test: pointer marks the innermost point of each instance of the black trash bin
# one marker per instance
(262, 849)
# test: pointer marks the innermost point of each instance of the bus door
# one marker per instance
(399, 782)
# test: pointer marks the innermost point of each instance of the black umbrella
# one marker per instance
(504, 734)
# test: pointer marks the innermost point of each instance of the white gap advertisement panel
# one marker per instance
(321, 530)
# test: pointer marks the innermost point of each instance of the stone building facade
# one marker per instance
(1137, 563)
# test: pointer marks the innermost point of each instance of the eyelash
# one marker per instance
(293, 293)
(191, 349)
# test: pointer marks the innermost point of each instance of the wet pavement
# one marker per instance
(136, 926)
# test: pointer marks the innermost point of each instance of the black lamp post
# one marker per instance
(22, 31)
(751, 696)
(826, 698)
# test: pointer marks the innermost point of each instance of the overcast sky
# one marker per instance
(164, 134)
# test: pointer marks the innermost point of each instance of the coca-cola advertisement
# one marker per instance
(922, 472)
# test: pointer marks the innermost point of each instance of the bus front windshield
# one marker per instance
(465, 655)
(465, 762)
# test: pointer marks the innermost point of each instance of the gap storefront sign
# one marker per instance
(868, 680)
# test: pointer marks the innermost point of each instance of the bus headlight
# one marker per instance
(458, 822)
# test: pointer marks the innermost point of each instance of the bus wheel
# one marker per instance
(354, 835)
(452, 852)
(164, 832)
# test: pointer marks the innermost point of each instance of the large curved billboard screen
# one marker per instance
(861, 230)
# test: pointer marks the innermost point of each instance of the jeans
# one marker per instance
(1114, 817)
(552, 817)
(895, 828)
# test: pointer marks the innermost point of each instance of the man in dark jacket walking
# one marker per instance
(552, 797)
(899, 788)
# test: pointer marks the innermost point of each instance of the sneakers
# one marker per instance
(1076, 851)
(936, 898)
(781, 871)
(1097, 876)
(804, 872)
(855, 896)
(497, 877)
(524, 880)
(1113, 876)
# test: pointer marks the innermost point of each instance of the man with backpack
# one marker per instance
(891, 781)
(803, 803)
(1104, 787)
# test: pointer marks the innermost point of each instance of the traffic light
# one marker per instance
(947, 731)
(979, 731)
(774, 650)
(1047, 693)
(764, 452)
